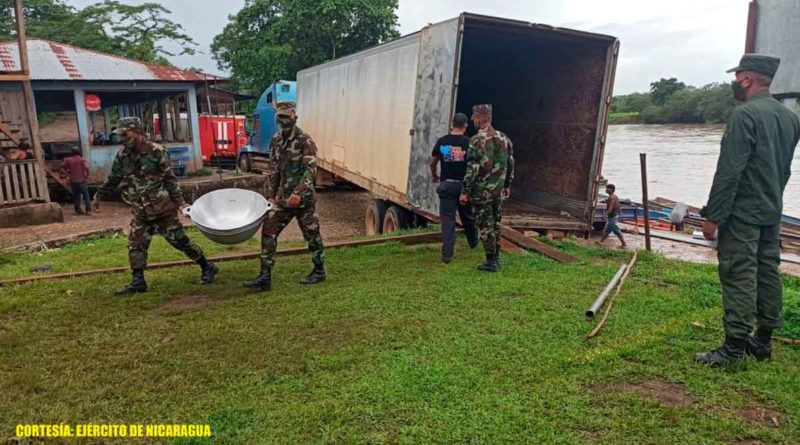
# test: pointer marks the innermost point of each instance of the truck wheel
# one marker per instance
(396, 219)
(245, 164)
(373, 219)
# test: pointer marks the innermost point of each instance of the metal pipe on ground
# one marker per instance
(598, 302)
(610, 305)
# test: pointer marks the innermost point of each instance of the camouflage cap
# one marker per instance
(286, 107)
(757, 63)
(128, 123)
(482, 109)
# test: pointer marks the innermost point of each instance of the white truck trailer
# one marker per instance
(376, 115)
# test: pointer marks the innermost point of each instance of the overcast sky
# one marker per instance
(693, 40)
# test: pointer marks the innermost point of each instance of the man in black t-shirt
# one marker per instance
(451, 152)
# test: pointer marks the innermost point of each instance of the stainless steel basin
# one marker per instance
(229, 216)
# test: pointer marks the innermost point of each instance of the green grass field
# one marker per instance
(394, 348)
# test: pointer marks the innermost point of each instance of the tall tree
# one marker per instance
(661, 91)
(137, 31)
(272, 39)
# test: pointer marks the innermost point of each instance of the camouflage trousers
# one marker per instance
(141, 233)
(277, 220)
(487, 218)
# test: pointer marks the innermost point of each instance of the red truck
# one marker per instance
(221, 137)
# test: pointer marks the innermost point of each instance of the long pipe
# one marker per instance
(610, 305)
(598, 302)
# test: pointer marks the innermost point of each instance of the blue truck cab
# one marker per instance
(264, 125)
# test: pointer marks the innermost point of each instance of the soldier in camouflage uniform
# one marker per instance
(490, 170)
(293, 168)
(142, 168)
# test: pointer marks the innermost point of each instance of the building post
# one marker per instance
(194, 128)
(27, 94)
(83, 123)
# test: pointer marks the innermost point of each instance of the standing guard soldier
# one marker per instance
(293, 168)
(744, 208)
(143, 170)
(490, 170)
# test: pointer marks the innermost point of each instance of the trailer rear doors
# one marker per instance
(550, 89)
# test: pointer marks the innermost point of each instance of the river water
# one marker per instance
(681, 160)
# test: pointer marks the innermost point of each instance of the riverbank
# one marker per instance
(624, 118)
(395, 347)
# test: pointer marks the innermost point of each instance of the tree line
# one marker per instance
(266, 41)
(270, 40)
(672, 101)
(133, 31)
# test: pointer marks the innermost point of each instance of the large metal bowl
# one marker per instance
(229, 216)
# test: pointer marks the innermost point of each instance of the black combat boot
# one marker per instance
(759, 346)
(731, 352)
(209, 271)
(137, 284)
(261, 282)
(317, 275)
(490, 265)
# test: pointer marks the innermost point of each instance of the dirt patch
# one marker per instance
(592, 434)
(341, 214)
(759, 413)
(676, 250)
(180, 304)
(665, 392)
(654, 283)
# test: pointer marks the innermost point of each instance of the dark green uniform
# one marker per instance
(150, 187)
(490, 169)
(293, 168)
(746, 200)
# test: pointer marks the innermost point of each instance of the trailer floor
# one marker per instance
(520, 214)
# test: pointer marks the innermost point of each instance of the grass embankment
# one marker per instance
(624, 118)
(394, 348)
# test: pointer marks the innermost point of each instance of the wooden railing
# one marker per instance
(21, 182)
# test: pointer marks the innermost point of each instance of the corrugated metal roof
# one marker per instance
(57, 61)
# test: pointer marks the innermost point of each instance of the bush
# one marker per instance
(712, 103)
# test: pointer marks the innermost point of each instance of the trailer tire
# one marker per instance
(397, 218)
(373, 218)
(245, 164)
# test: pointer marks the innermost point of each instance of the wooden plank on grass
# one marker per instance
(535, 245)
(405, 239)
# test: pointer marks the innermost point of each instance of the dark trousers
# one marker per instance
(752, 291)
(449, 192)
(81, 190)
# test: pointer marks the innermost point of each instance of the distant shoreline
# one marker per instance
(633, 118)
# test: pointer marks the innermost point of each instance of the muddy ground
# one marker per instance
(341, 212)
(341, 215)
(675, 250)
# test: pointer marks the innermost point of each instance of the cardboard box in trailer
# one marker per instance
(376, 115)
